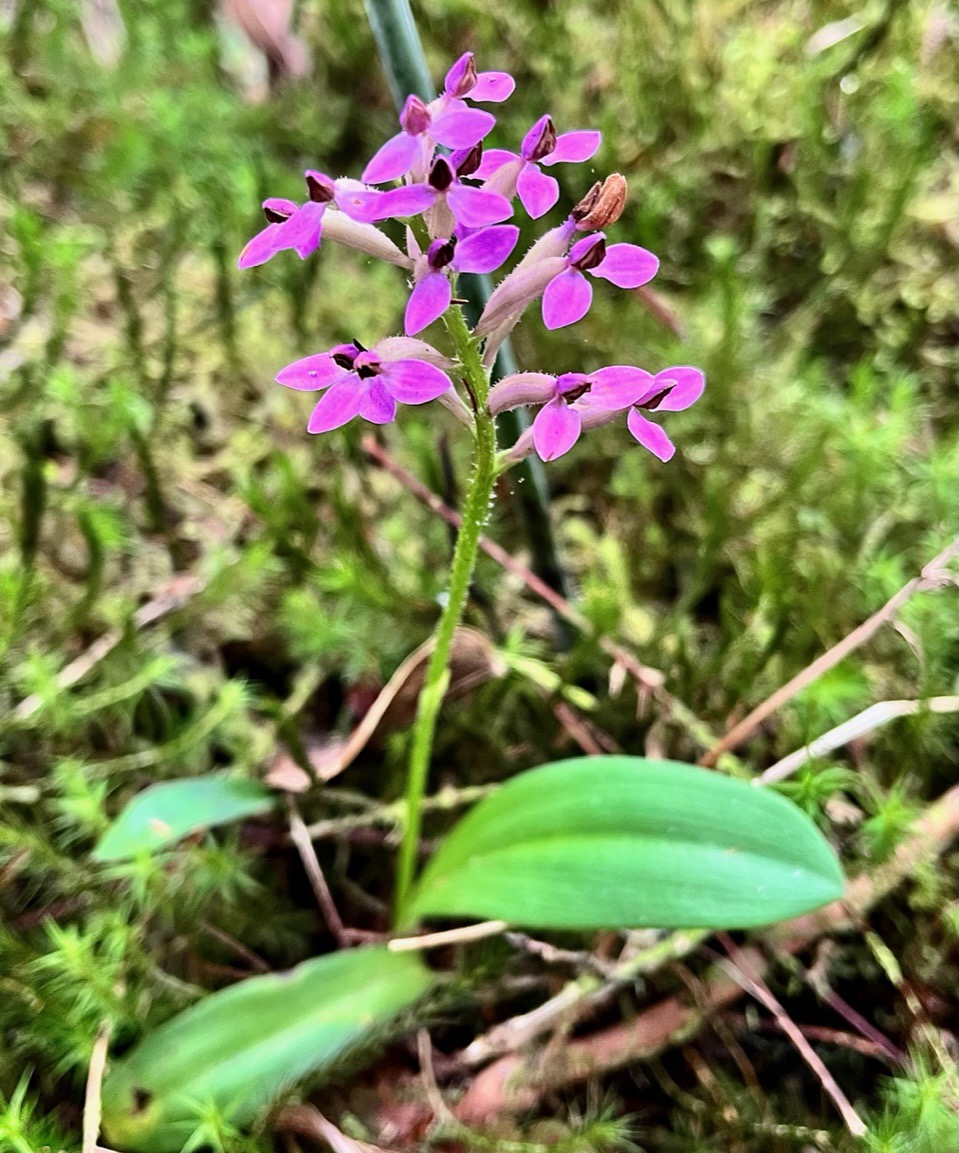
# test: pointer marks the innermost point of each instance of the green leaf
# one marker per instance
(238, 1049)
(621, 842)
(167, 812)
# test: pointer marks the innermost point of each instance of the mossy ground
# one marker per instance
(803, 204)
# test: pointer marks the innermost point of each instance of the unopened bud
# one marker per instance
(415, 118)
(602, 205)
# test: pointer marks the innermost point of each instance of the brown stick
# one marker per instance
(751, 982)
(930, 577)
(517, 1082)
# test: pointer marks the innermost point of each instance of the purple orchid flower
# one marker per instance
(297, 226)
(481, 251)
(671, 390)
(368, 382)
(456, 127)
(569, 294)
(464, 82)
(521, 172)
(454, 202)
(576, 401)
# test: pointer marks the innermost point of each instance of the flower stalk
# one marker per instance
(476, 509)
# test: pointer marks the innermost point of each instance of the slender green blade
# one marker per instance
(238, 1049)
(171, 810)
(617, 842)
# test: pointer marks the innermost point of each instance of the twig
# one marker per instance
(300, 836)
(821, 1033)
(446, 800)
(308, 1121)
(91, 1100)
(878, 714)
(252, 959)
(930, 577)
(447, 937)
(743, 974)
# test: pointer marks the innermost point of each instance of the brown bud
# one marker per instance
(602, 205)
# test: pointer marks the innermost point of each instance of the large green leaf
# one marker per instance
(165, 813)
(617, 842)
(237, 1049)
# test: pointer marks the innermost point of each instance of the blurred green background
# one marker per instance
(797, 178)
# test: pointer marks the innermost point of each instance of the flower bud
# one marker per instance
(602, 205)
(415, 118)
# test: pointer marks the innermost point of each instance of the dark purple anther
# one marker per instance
(440, 253)
(441, 174)
(322, 190)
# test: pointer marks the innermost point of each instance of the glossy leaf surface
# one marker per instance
(166, 812)
(622, 842)
(237, 1049)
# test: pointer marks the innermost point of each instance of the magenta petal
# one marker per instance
(369, 206)
(537, 191)
(261, 247)
(485, 251)
(686, 386)
(627, 266)
(556, 429)
(474, 207)
(492, 87)
(393, 160)
(493, 160)
(310, 373)
(376, 404)
(573, 147)
(414, 381)
(428, 301)
(302, 231)
(567, 299)
(618, 386)
(338, 405)
(650, 435)
(462, 127)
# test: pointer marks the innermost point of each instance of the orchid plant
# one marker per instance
(597, 842)
(454, 195)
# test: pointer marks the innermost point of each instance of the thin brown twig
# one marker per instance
(300, 836)
(931, 576)
(739, 968)
(820, 1033)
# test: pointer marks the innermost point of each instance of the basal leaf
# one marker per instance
(166, 812)
(237, 1049)
(622, 842)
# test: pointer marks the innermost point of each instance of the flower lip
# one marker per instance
(441, 174)
(322, 190)
(415, 117)
(540, 140)
(588, 253)
(441, 253)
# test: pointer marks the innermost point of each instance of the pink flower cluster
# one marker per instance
(455, 197)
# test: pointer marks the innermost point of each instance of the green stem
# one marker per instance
(475, 513)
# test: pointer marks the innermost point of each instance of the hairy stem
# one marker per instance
(475, 513)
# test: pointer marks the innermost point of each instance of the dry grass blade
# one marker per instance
(91, 1100)
(932, 575)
